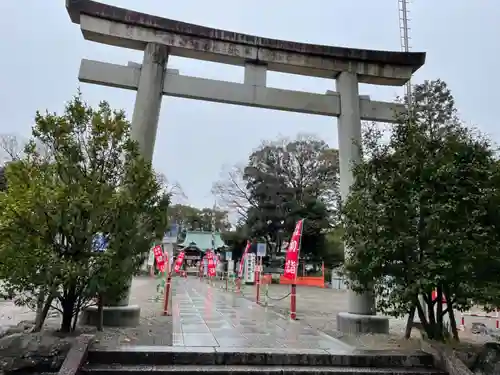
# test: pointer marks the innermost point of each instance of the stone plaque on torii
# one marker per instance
(161, 37)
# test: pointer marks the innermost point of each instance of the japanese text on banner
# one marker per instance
(292, 252)
(240, 271)
(160, 258)
(178, 262)
(211, 263)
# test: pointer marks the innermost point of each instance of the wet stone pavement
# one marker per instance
(207, 317)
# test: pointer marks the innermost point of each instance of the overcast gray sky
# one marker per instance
(41, 52)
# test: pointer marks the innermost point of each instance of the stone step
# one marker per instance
(247, 370)
(167, 355)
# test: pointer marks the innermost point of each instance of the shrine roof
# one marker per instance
(202, 240)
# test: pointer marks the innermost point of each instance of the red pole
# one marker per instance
(257, 279)
(167, 292)
(293, 303)
(238, 285)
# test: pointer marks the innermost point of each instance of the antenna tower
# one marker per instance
(405, 38)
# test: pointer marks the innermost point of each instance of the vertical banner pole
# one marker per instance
(167, 294)
(168, 274)
(293, 302)
(261, 269)
(323, 271)
(293, 292)
(257, 280)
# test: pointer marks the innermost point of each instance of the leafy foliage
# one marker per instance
(3, 179)
(192, 218)
(422, 214)
(94, 182)
(290, 180)
(284, 181)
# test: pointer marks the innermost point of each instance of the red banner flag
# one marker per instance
(160, 258)
(211, 263)
(178, 262)
(292, 252)
(240, 271)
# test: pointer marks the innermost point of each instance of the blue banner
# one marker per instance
(99, 243)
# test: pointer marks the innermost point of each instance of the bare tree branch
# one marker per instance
(231, 193)
(173, 189)
(11, 147)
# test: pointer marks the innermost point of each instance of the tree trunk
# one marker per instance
(42, 315)
(75, 320)
(439, 314)
(451, 314)
(453, 323)
(68, 309)
(100, 313)
(67, 318)
(40, 303)
(76, 313)
(430, 309)
(409, 322)
(426, 325)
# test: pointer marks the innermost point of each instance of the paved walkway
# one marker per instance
(207, 316)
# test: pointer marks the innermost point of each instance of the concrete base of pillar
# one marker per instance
(113, 316)
(354, 324)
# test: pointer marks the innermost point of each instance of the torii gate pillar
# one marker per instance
(148, 99)
(361, 316)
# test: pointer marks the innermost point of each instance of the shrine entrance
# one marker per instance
(160, 38)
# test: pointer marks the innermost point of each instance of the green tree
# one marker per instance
(192, 218)
(333, 251)
(422, 214)
(187, 217)
(3, 179)
(94, 183)
(236, 240)
(288, 180)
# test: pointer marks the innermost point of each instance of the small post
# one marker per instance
(293, 303)
(167, 294)
(227, 277)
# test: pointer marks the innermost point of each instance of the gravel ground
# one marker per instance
(319, 308)
(155, 329)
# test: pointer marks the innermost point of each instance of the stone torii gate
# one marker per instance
(160, 38)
